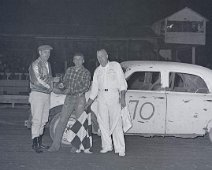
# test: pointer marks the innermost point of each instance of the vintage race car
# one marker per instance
(165, 98)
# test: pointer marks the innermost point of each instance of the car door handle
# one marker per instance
(208, 100)
(159, 97)
(186, 101)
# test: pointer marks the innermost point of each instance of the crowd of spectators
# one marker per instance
(12, 68)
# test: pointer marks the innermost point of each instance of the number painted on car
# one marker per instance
(146, 111)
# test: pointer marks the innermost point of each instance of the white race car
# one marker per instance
(164, 99)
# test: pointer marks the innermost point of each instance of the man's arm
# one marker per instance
(94, 86)
(122, 86)
(43, 81)
(88, 104)
(121, 78)
(94, 91)
(65, 79)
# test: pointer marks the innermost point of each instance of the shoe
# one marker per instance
(105, 150)
(75, 150)
(35, 145)
(52, 149)
(121, 154)
(87, 151)
(40, 143)
(78, 151)
(38, 150)
(44, 147)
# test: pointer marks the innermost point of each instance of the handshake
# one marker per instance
(56, 79)
(58, 83)
(61, 85)
(58, 86)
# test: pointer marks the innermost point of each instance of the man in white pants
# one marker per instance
(41, 85)
(110, 86)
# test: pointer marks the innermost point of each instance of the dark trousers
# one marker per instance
(73, 105)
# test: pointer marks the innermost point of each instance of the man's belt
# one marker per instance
(108, 90)
(79, 94)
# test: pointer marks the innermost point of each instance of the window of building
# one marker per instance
(185, 26)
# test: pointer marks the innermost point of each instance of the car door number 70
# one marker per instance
(146, 110)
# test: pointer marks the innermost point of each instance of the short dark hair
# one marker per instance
(102, 50)
(79, 54)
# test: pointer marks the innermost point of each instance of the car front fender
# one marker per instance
(208, 126)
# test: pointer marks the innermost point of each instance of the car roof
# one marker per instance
(166, 65)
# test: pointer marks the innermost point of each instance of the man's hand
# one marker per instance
(56, 91)
(56, 79)
(122, 102)
(87, 109)
(87, 105)
(61, 86)
(122, 99)
(51, 86)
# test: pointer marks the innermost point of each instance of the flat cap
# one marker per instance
(44, 47)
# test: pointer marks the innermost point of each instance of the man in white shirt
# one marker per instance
(109, 86)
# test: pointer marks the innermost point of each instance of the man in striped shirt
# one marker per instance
(41, 85)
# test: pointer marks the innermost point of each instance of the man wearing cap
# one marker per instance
(109, 86)
(41, 85)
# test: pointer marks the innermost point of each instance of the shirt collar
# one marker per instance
(79, 68)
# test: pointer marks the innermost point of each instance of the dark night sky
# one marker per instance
(29, 16)
(88, 12)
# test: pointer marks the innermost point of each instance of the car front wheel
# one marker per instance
(53, 125)
(210, 134)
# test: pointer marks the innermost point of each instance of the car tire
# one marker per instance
(54, 111)
(52, 127)
(210, 134)
(54, 119)
(53, 124)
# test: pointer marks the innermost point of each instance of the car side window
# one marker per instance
(182, 82)
(144, 81)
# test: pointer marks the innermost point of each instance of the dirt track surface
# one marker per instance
(156, 153)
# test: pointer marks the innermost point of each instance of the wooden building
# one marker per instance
(182, 31)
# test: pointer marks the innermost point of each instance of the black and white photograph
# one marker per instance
(105, 84)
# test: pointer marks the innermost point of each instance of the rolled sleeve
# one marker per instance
(94, 87)
(65, 79)
(122, 80)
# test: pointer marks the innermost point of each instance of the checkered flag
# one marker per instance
(78, 132)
